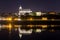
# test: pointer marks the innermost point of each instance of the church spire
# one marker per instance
(20, 7)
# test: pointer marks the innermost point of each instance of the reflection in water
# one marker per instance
(20, 35)
(38, 30)
(25, 31)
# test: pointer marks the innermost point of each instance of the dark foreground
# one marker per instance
(46, 35)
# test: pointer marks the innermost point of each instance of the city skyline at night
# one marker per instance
(29, 19)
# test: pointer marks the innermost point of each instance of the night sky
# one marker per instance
(35, 5)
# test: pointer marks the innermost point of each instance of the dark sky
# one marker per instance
(35, 5)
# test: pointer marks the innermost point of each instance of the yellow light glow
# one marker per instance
(17, 19)
(31, 19)
(44, 18)
(38, 13)
(10, 26)
(16, 26)
(6, 19)
(9, 19)
(4, 26)
(44, 26)
(3, 18)
(38, 30)
(30, 25)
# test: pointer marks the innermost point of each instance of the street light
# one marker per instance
(9, 19)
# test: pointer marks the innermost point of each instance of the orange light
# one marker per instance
(9, 19)
(16, 26)
(44, 18)
(44, 26)
(38, 30)
(30, 25)
(17, 19)
(30, 19)
(10, 26)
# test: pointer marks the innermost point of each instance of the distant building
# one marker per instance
(40, 13)
(52, 12)
(23, 11)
